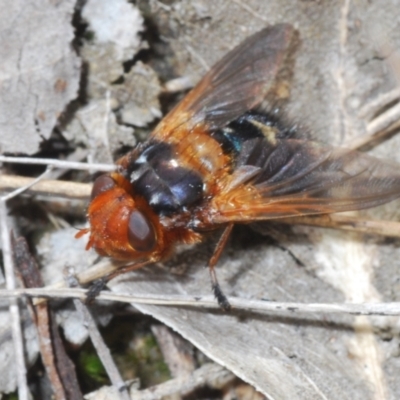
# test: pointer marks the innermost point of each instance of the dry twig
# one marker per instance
(23, 392)
(70, 190)
(208, 302)
(101, 348)
(177, 353)
(207, 374)
(58, 163)
(59, 368)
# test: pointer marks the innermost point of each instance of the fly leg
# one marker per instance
(218, 293)
(99, 284)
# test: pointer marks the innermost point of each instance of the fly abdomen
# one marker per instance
(251, 125)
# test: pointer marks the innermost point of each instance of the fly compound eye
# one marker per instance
(141, 234)
(102, 184)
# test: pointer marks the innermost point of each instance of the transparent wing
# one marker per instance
(237, 83)
(297, 177)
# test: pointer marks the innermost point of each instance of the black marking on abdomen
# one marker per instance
(259, 140)
(249, 126)
(157, 176)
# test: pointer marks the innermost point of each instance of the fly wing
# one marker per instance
(297, 177)
(238, 82)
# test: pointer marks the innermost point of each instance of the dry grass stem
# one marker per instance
(58, 163)
(252, 12)
(102, 350)
(208, 302)
(372, 107)
(379, 128)
(15, 318)
(205, 375)
(23, 189)
(70, 190)
(368, 141)
(349, 223)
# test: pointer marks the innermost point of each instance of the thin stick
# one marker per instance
(72, 190)
(178, 84)
(101, 348)
(208, 302)
(380, 102)
(378, 128)
(366, 141)
(205, 375)
(22, 189)
(250, 10)
(15, 318)
(195, 55)
(46, 345)
(59, 163)
(41, 315)
(59, 367)
(348, 223)
(78, 155)
(387, 115)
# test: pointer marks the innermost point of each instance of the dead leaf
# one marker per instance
(339, 69)
(39, 73)
(115, 28)
(284, 357)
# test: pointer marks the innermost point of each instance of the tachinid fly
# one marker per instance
(215, 160)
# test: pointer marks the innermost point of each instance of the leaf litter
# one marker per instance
(338, 71)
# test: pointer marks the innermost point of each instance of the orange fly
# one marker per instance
(216, 160)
